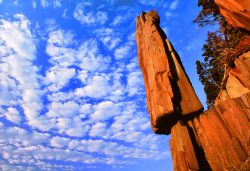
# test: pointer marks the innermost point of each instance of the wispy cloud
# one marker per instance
(91, 17)
(173, 5)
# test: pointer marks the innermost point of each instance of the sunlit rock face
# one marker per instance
(170, 94)
(236, 79)
(217, 139)
(237, 13)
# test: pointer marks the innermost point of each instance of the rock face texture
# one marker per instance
(237, 79)
(217, 139)
(170, 94)
(236, 12)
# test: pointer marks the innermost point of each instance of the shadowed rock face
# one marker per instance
(170, 94)
(237, 13)
(217, 139)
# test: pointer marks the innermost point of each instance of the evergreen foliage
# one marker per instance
(219, 51)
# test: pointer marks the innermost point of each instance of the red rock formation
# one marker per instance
(224, 133)
(237, 13)
(237, 79)
(169, 91)
(219, 138)
(182, 149)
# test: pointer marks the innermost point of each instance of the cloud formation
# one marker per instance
(72, 95)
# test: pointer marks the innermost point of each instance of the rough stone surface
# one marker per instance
(183, 154)
(169, 91)
(217, 139)
(236, 12)
(224, 133)
(238, 79)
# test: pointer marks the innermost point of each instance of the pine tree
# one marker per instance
(220, 49)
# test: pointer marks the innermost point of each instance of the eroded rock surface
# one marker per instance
(217, 139)
(236, 12)
(237, 79)
(170, 94)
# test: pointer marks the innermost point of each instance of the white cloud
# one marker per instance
(16, 36)
(57, 78)
(119, 19)
(44, 3)
(59, 142)
(173, 5)
(72, 126)
(92, 17)
(109, 37)
(34, 3)
(82, 95)
(9, 90)
(13, 115)
(98, 130)
(122, 52)
(86, 108)
(60, 38)
(64, 123)
(135, 83)
(168, 15)
(87, 54)
(83, 75)
(50, 24)
(98, 87)
(67, 109)
(21, 137)
(90, 58)
(57, 3)
(105, 110)
(60, 96)
(79, 131)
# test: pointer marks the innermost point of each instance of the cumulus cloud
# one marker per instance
(105, 110)
(81, 106)
(17, 37)
(122, 52)
(98, 130)
(13, 115)
(57, 109)
(90, 57)
(98, 87)
(59, 142)
(57, 78)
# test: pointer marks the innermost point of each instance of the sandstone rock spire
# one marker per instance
(170, 94)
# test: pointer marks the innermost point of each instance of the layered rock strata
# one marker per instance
(217, 139)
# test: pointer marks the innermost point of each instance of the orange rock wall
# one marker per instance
(217, 139)
(236, 12)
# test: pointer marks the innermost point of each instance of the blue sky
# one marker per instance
(71, 92)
